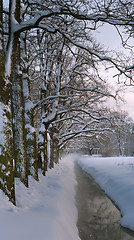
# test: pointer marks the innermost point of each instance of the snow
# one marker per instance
(8, 60)
(2, 124)
(115, 175)
(46, 210)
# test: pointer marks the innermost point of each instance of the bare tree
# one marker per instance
(67, 69)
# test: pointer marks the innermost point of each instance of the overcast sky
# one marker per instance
(108, 36)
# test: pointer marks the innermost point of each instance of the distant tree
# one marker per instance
(131, 143)
(117, 141)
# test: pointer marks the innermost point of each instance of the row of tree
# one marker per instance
(51, 90)
(113, 136)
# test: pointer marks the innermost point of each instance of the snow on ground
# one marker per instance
(115, 175)
(46, 210)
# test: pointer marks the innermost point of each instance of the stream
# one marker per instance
(98, 218)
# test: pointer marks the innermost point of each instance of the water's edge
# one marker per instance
(98, 217)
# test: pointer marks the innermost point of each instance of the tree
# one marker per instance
(31, 138)
(67, 60)
(6, 140)
(117, 140)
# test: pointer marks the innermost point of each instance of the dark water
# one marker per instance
(98, 218)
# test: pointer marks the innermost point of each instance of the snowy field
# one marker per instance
(115, 176)
(46, 210)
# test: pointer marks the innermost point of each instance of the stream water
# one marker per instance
(98, 218)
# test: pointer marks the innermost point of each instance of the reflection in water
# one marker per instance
(98, 218)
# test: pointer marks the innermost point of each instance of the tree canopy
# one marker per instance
(52, 92)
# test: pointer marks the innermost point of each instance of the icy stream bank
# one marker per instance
(98, 218)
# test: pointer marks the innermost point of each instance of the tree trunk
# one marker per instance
(45, 163)
(42, 141)
(6, 137)
(31, 141)
(51, 165)
(19, 134)
(18, 118)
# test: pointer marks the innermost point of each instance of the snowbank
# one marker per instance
(46, 210)
(115, 175)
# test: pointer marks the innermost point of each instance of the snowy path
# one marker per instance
(46, 210)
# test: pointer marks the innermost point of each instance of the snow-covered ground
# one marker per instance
(46, 210)
(115, 176)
